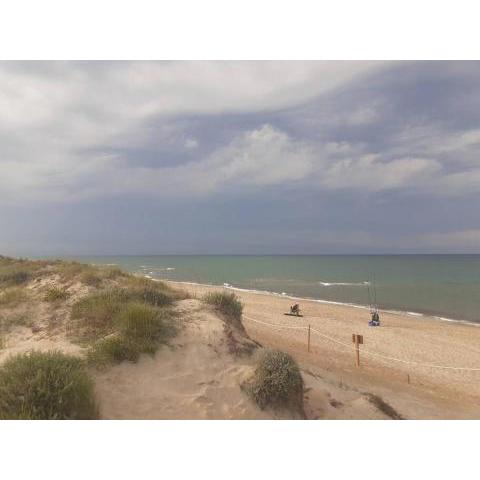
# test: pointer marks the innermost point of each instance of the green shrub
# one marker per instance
(276, 382)
(97, 313)
(113, 350)
(55, 294)
(226, 303)
(46, 386)
(141, 329)
(13, 296)
(143, 322)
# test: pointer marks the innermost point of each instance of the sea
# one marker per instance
(443, 286)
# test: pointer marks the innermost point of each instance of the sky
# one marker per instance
(278, 157)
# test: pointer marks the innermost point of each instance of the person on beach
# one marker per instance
(375, 321)
(295, 309)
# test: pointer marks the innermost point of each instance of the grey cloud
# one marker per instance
(347, 155)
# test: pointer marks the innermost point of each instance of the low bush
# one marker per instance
(227, 304)
(276, 382)
(55, 294)
(46, 386)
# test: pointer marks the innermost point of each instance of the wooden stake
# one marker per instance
(408, 378)
(357, 340)
(357, 351)
(308, 348)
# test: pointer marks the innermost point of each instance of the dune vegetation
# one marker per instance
(276, 382)
(46, 386)
(227, 304)
(113, 315)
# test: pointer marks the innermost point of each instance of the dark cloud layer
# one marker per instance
(239, 157)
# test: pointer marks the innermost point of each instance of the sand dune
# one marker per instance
(431, 393)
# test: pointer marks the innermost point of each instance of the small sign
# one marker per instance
(357, 339)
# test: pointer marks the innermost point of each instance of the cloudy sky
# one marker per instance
(239, 157)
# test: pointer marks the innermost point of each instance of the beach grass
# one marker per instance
(46, 386)
(55, 294)
(93, 316)
(140, 328)
(227, 304)
(99, 312)
(276, 382)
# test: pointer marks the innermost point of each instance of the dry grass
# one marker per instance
(55, 294)
(92, 278)
(13, 296)
(17, 271)
(15, 319)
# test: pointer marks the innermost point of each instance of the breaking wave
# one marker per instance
(344, 284)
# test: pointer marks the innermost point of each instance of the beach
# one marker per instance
(420, 365)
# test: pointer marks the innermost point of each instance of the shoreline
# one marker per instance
(409, 314)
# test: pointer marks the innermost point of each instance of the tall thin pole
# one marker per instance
(308, 348)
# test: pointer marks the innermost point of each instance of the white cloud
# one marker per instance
(267, 156)
(191, 143)
(370, 173)
(53, 114)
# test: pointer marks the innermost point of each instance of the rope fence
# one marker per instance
(367, 352)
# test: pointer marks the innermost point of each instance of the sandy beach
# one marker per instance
(410, 379)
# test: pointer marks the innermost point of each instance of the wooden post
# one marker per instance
(357, 351)
(357, 340)
(408, 378)
(308, 348)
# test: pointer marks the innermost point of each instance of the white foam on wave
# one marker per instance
(452, 320)
(344, 284)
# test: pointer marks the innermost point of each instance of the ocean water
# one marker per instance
(446, 286)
